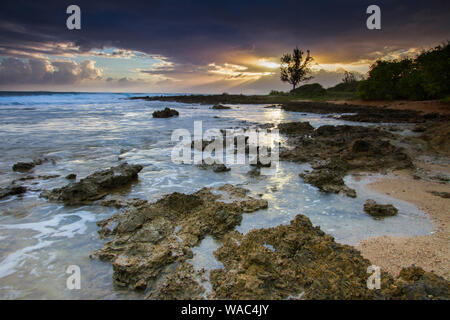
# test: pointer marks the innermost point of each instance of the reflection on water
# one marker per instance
(88, 132)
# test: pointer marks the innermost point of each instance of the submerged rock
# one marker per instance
(216, 167)
(12, 190)
(27, 166)
(96, 186)
(379, 210)
(148, 240)
(166, 113)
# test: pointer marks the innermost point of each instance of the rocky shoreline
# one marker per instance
(149, 245)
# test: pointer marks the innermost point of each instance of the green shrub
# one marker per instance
(309, 90)
(425, 77)
(345, 87)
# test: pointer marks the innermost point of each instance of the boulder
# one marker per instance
(71, 176)
(166, 113)
(23, 166)
(379, 210)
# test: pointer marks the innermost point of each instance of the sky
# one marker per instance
(200, 46)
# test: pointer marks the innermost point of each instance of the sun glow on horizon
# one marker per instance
(268, 64)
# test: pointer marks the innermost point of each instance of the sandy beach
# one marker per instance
(429, 252)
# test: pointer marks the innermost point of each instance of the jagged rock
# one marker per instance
(120, 202)
(281, 262)
(27, 166)
(328, 179)
(216, 167)
(299, 260)
(23, 166)
(71, 176)
(341, 149)
(12, 190)
(379, 210)
(178, 285)
(150, 238)
(296, 128)
(96, 186)
(166, 113)
(414, 283)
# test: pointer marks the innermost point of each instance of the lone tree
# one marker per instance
(295, 67)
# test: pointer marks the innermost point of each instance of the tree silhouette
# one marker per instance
(295, 67)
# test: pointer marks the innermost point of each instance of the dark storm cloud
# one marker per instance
(199, 32)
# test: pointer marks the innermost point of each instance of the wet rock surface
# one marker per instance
(166, 113)
(299, 260)
(71, 176)
(180, 284)
(96, 186)
(12, 190)
(379, 210)
(23, 166)
(27, 166)
(328, 180)
(334, 151)
(150, 239)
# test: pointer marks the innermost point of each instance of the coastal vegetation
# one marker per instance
(424, 77)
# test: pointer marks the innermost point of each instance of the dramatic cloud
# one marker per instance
(207, 45)
(42, 71)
